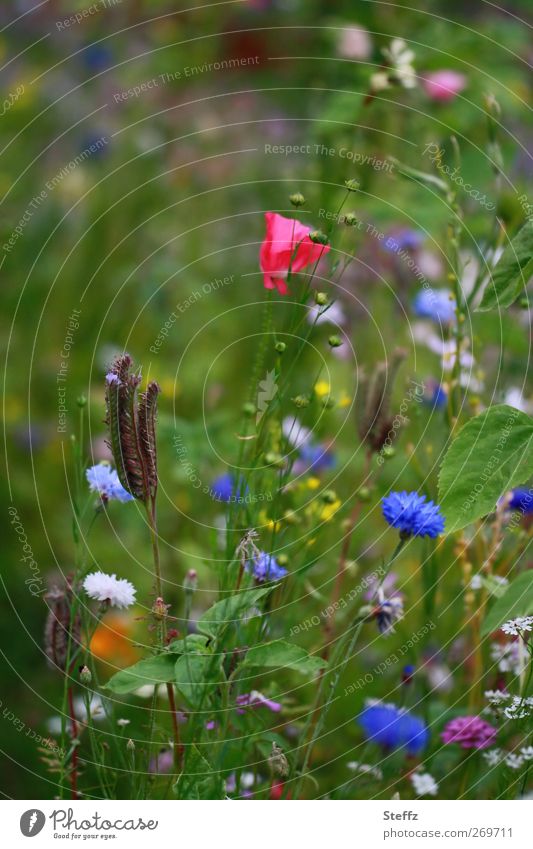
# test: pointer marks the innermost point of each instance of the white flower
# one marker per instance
(515, 626)
(117, 591)
(123, 722)
(507, 656)
(527, 753)
(295, 432)
(493, 756)
(334, 314)
(424, 784)
(514, 761)
(365, 769)
(475, 582)
(520, 708)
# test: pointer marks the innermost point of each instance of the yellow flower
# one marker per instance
(329, 510)
(313, 483)
(344, 400)
(322, 388)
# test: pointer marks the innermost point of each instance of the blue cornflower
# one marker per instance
(412, 515)
(316, 457)
(436, 304)
(522, 500)
(393, 727)
(403, 240)
(104, 480)
(435, 396)
(265, 568)
(225, 488)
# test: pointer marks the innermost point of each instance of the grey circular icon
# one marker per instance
(32, 822)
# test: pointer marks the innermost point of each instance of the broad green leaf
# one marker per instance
(278, 654)
(193, 643)
(512, 272)
(197, 676)
(153, 670)
(517, 600)
(492, 453)
(229, 610)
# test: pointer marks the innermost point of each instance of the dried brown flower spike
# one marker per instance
(60, 628)
(376, 420)
(131, 423)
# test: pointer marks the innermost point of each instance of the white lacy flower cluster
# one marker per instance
(514, 760)
(517, 626)
(513, 707)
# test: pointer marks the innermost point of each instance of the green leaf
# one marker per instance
(491, 454)
(199, 780)
(193, 643)
(517, 600)
(279, 654)
(512, 272)
(229, 610)
(154, 670)
(197, 676)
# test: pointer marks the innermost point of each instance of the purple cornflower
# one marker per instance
(471, 732)
(435, 396)
(256, 699)
(265, 568)
(412, 515)
(393, 727)
(435, 304)
(104, 480)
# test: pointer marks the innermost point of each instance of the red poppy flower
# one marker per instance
(286, 245)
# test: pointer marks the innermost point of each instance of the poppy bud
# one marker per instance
(297, 199)
(318, 237)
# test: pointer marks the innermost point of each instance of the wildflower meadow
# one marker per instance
(268, 420)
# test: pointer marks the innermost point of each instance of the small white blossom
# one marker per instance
(527, 753)
(493, 756)
(424, 784)
(123, 722)
(476, 583)
(514, 761)
(519, 708)
(365, 769)
(516, 626)
(117, 591)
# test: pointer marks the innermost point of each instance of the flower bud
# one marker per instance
(159, 608)
(130, 745)
(350, 219)
(280, 347)
(321, 299)
(352, 185)
(249, 409)
(388, 452)
(335, 341)
(297, 199)
(329, 496)
(81, 401)
(363, 494)
(301, 401)
(190, 582)
(85, 675)
(318, 237)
